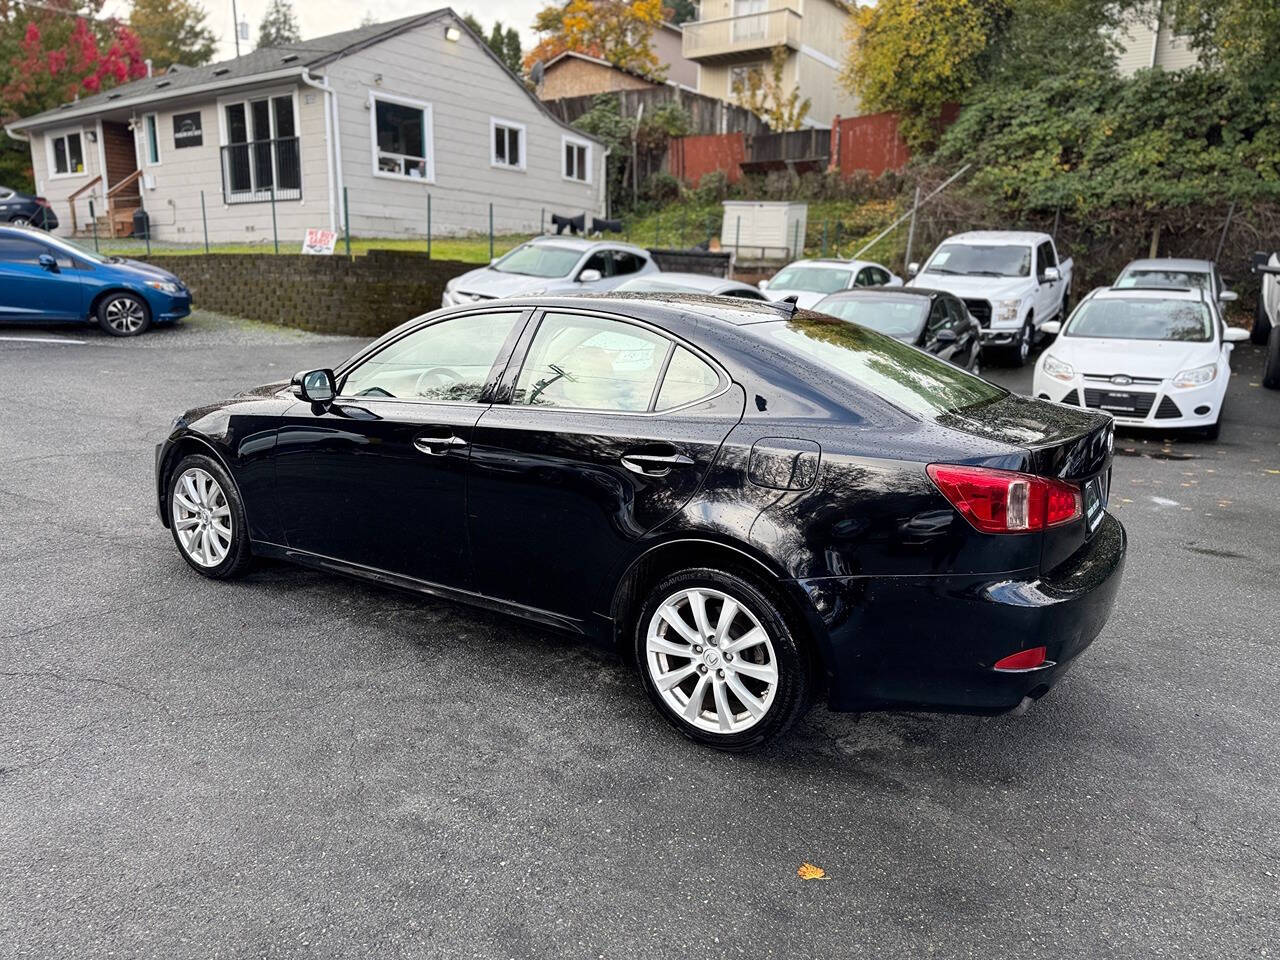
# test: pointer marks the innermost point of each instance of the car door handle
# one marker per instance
(437, 446)
(655, 464)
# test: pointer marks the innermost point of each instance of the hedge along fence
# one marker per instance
(361, 296)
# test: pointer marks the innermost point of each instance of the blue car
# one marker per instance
(46, 279)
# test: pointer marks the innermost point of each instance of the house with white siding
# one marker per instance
(1148, 42)
(384, 116)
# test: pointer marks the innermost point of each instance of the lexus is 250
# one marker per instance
(763, 505)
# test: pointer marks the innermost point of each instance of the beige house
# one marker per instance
(732, 36)
(1146, 43)
(385, 116)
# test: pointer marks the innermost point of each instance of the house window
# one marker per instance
(402, 138)
(151, 131)
(508, 143)
(740, 76)
(260, 155)
(68, 155)
(577, 160)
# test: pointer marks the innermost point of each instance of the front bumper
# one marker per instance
(930, 642)
(167, 308)
(1000, 337)
(1171, 407)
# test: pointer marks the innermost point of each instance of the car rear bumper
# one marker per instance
(931, 642)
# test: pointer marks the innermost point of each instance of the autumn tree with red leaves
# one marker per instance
(51, 54)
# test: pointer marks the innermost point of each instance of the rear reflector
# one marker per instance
(1006, 501)
(1023, 660)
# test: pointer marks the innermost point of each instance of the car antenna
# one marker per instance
(788, 304)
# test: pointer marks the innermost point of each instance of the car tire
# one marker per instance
(746, 694)
(1020, 352)
(1211, 432)
(1271, 372)
(1261, 323)
(20, 222)
(207, 518)
(124, 314)
(1065, 310)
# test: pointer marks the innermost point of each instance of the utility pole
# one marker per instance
(235, 26)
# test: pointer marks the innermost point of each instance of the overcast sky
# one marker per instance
(331, 16)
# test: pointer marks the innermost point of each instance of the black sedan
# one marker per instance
(763, 505)
(932, 320)
(23, 210)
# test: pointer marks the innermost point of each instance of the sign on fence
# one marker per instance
(319, 241)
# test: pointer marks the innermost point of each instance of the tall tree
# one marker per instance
(764, 92)
(173, 31)
(1055, 37)
(1240, 36)
(506, 44)
(915, 56)
(279, 25)
(620, 31)
(682, 11)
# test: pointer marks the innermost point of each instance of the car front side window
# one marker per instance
(21, 250)
(446, 362)
(591, 363)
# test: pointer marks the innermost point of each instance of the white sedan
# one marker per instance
(812, 280)
(1151, 358)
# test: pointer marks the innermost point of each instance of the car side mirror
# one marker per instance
(912, 269)
(763, 285)
(589, 276)
(1052, 328)
(1228, 296)
(48, 262)
(946, 336)
(1052, 274)
(314, 386)
(1235, 335)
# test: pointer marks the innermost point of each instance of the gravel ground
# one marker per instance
(296, 765)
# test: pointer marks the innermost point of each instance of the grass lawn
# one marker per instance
(473, 249)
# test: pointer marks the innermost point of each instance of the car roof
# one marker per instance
(1028, 237)
(1170, 263)
(584, 243)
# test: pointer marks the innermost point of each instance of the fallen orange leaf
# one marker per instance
(808, 871)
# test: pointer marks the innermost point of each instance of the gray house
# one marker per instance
(390, 113)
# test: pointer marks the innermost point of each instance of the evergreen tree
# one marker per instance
(173, 31)
(279, 25)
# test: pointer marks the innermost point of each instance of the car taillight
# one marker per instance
(1006, 501)
(42, 202)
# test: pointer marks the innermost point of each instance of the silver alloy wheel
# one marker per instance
(21, 221)
(201, 517)
(702, 645)
(125, 315)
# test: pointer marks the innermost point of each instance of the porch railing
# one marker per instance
(251, 170)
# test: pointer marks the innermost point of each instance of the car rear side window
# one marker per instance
(688, 379)
(910, 379)
(591, 363)
(446, 362)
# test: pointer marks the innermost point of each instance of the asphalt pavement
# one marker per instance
(297, 765)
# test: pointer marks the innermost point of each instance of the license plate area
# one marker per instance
(1095, 500)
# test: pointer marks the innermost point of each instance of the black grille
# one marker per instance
(1121, 403)
(981, 310)
(1072, 399)
(1168, 410)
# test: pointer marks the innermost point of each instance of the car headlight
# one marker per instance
(164, 286)
(1055, 368)
(1007, 310)
(1196, 376)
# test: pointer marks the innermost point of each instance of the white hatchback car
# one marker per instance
(812, 280)
(1156, 358)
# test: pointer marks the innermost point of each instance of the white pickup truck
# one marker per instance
(1012, 282)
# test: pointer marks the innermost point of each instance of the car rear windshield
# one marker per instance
(811, 279)
(1183, 279)
(972, 260)
(539, 260)
(1134, 319)
(898, 317)
(910, 379)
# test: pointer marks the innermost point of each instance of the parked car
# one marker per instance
(811, 280)
(547, 265)
(761, 503)
(1266, 319)
(47, 279)
(690, 283)
(1178, 273)
(932, 320)
(23, 210)
(1154, 358)
(1012, 282)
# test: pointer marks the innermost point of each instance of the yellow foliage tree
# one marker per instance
(620, 31)
(765, 94)
(915, 56)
